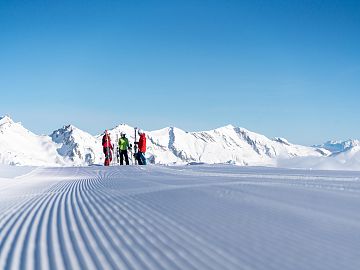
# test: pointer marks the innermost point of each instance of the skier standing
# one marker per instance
(123, 148)
(140, 156)
(107, 148)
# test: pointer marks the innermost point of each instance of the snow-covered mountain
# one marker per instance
(336, 147)
(79, 147)
(228, 144)
(344, 155)
(19, 146)
(72, 146)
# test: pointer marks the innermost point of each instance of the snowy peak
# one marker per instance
(273, 148)
(6, 120)
(122, 128)
(66, 133)
(19, 146)
(226, 144)
(79, 147)
(282, 140)
(336, 147)
(224, 128)
(9, 127)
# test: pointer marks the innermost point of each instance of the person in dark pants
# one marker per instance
(140, 156)
(123, 147)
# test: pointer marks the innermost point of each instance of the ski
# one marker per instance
(135, 146)
(117, 150)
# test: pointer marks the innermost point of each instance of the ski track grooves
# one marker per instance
(88, 223)
(104, 218)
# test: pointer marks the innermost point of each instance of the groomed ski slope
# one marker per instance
(190, 217)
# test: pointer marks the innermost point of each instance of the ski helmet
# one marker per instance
(140, 131)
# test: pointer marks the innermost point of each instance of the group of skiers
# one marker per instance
(123, 147)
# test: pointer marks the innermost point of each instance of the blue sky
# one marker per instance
(280, 68)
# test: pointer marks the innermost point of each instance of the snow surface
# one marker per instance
(10, 172)
(183, 217)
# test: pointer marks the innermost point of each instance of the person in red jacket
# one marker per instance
(107, 148)
(140, 156)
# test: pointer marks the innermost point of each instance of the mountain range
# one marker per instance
(70, 146)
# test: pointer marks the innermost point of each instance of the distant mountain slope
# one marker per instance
(19, 146)
(336, 147)
(70, 146)
(79, 147)
(228, 144)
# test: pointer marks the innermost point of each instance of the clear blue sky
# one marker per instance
(280, 68)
